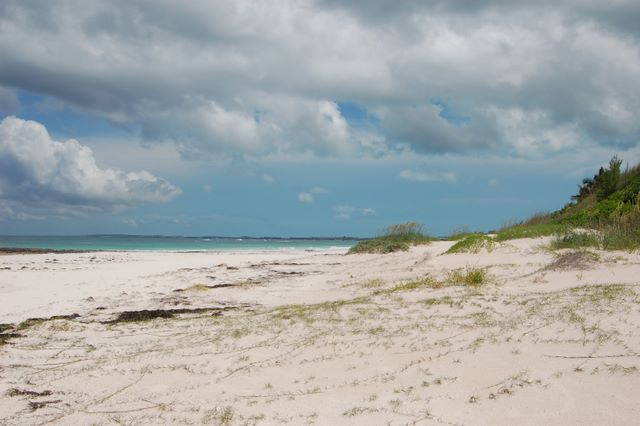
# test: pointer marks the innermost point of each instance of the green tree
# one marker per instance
(609, 179)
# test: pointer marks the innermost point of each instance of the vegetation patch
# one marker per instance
(143, 315)
(373, 283)
(618, 234)
(461, 233)
(608, 203)
(395, 238)
(470, 277)
(579, 260)
(575, 240)
(473, 244)
(527, 230)
(30, 322)
(446, 300)
(21, 392)
(150, 314)
(424, 282)
(36, 405)
(356, 411)
(308, 312)
(219, 416)
(5, 337)
(198, 287)
(605, 293)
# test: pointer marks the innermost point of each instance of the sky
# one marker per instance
(308, 117)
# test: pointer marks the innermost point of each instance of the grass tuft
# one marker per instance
(425, 282)
(580, 260)
(220, 416)
(473, 244)
(575, 240)
(198, 287)
(470, 277)
(307, 313)
(399, 237)
(524, 230)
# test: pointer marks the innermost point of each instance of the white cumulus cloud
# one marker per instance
(41, 175)
(305, 197)
(346, 211)
(268, 178)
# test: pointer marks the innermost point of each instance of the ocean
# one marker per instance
(168, 243)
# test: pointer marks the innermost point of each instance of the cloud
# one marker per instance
(519, 78)
(417, 176)
(305, 197)
(132, 222)
(39, 175)
(207, 188)
(319, 190)
(268, 178)
(346, 212)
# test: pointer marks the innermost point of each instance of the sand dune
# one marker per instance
(318, 337)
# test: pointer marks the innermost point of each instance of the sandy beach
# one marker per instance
(318, 337)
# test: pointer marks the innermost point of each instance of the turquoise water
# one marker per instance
(162, 243)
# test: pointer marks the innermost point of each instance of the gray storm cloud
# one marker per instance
(256, 78)
(38, 174)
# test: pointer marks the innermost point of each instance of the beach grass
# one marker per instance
(621, 233)
(399, 237)
(473, 243)
(529, 230)
(469, 277)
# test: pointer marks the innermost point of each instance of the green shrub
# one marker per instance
(399, 237)
(379, 245)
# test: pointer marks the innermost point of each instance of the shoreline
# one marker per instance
(31, 250)
(38, 250)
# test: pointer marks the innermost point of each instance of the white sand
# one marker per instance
(540, 344)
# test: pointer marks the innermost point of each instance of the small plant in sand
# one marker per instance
(424, 282)
(198, 287)
(356, 411)
(603, 294)
(446, 300)
(373, 283)
(399, 237)
(309, 312)
(576, 260)
(470, 277)
(221, 416)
